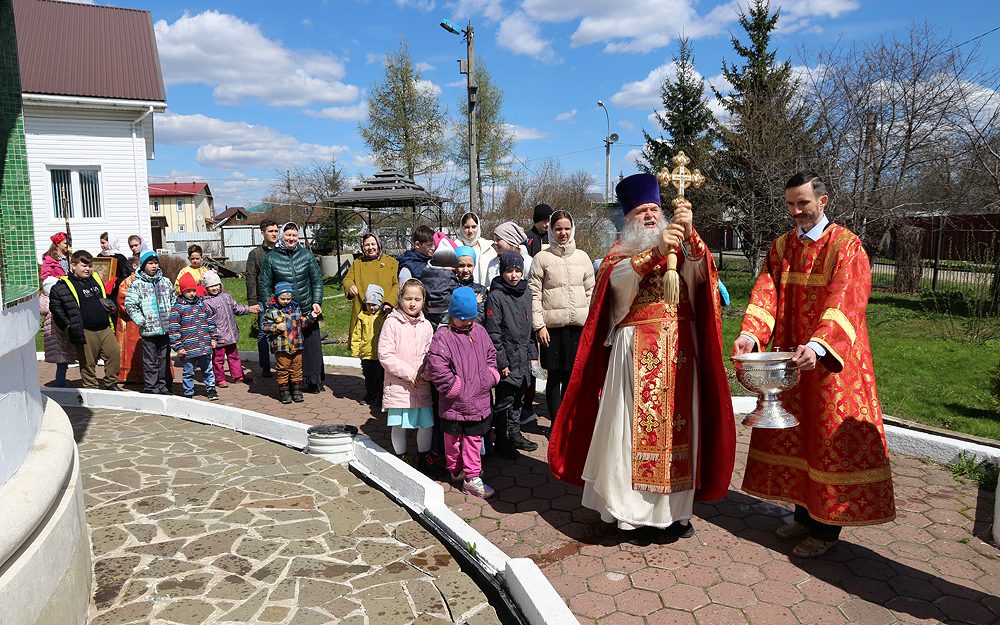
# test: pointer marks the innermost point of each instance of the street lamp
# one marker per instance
(467, 66)
(609, 138)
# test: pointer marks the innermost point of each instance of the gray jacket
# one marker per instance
(252, 272)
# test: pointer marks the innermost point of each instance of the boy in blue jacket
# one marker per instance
(193, 336)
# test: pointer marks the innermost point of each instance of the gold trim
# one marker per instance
(838, 317)
(801, 502)
(831, 478)
(830, 351)
(756, 311)
(822, 277)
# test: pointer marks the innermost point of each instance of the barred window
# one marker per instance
(74, 189)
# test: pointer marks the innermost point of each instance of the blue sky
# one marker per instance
(254, 87)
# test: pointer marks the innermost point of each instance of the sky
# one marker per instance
(257, 87)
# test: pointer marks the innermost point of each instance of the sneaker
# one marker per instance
(527, 416)
(477, 487)
(191, 396)
(222, 384)
(792, 530)
(212, 394)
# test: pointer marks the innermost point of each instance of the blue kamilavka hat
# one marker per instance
(636, 190)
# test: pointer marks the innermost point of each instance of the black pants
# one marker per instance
(374, 379)
(556, 382)
(507, 410)
(155, 363)
(263, 347)
(817, 529)
(312, 355)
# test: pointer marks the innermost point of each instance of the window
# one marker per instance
(156, 206)
(180, 228)
(76, 193)
(180, 206)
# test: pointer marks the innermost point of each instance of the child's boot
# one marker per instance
(284, 396)
(296, 393)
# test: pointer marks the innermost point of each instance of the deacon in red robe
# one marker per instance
(810, 298)
(646, 425)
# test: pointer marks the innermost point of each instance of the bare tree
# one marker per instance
(301, 189)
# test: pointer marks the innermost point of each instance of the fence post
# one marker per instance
(937, 253)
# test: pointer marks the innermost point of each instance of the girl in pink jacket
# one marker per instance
(402, 346)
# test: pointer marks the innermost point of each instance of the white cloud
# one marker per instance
(429, 87)
(366, 161)
(645, 93)
(523, 133)
(626, 125)
(239, 63)
(490, 9)
(634, 157)
(307, 22)
(458, 83)
(355, 112)
(425, 67)
(239, 145)
(521, 35)
(567, 116)
(420, 5)
(375, 57)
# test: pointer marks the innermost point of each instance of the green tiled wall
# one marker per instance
(17, 234)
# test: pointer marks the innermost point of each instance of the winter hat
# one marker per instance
(282, 287)
(542, 213)
(510, 232)
(211, 279)
(636, 190)
(374, 294)
(187, 283)
(147, 256)
(58, 238)
(463, 304)
(444, 252)
(465, 250)
(511, 259)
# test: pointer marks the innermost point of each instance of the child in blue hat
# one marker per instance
(283, 322)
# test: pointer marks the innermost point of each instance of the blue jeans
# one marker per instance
(205, 364)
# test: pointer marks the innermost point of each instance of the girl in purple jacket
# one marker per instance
(462, 363)
(226, 309)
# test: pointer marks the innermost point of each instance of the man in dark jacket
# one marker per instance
(538, 236)
(269, 230)
(291, 262)
(80, 306)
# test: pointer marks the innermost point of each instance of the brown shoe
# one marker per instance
(792, 530)
(813, 547)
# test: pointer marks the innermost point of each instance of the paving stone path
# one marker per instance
(194, 524)
(932, 565)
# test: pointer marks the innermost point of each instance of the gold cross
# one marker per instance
(681, 177)
(649, 361)
(680, 359)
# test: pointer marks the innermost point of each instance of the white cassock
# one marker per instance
(607, 473)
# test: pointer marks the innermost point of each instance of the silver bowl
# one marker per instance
(766, 374)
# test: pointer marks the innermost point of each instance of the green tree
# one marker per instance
(494, 137)
(405, 127)
(765, 139)
(687, 123)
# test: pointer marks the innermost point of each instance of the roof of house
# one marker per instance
(229, 212)
(171, 189)
(87, 50)
(279, 212)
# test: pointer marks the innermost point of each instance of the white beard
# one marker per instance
(637, 238)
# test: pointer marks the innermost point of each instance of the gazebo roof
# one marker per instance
(387, 188)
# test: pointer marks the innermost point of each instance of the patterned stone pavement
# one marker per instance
(194, 524)
(929, 566)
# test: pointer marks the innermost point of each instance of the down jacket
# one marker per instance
(58, 348)
(225, 309)
(508, 321)
(463, 368)
(299, 268)
(148, 302)
(402, 348)
(65, 309)
(192, 328)
(561, 280)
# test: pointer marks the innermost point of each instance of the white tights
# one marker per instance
(425, 436)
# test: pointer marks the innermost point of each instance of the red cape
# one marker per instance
(570, 438)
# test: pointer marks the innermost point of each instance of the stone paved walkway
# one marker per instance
(196, 524)
(929, 566)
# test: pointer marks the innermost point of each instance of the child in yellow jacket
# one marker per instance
(364, 344)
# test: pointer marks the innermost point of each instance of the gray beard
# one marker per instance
(636, 238)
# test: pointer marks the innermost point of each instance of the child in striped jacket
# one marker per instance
(193, 335)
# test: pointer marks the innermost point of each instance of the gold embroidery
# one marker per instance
(838, 317)
(756, 311)
(830, 351)
(832, 478)
(822, 277)
(649, 361)
(680, 359)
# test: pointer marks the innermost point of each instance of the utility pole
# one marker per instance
(468, 67)
(608, 140)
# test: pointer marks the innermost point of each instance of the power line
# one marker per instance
(977, 37)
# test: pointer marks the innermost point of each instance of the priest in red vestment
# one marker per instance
(810, 298)
(646, 425)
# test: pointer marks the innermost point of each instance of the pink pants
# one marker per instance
(461, 451)
(222, 354)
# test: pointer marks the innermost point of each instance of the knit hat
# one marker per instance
(187, 283)
(542, 213)
(465, 250)
(211, 279)
(636, 190)
(511, 232)
(374, 294)
(463, 304)
(282, 287)
(511, 259)
(147, 256)
(58, 238)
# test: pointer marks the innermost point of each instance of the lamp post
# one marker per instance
(608, 140)
(467, 66)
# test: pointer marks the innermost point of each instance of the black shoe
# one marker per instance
(112, 387)
(313, 388)
(283, 395)
(640, 537)
(212, 394)
(520, 442)
(506, 449)
(164, 391)
(296, 393)
(679, 529)
(266, 374)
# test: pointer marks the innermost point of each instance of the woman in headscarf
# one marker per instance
(470, 235)
(292, 262)
(507, 237)
(561, 282)
(111, 247)
(55, 260)
(372, 267)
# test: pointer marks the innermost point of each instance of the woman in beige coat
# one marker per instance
(561, 282)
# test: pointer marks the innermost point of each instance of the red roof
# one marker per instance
(164, 189)
(66, 48)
